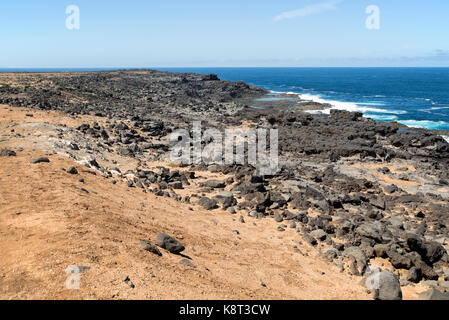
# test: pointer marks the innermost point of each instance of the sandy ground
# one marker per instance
(47, 223)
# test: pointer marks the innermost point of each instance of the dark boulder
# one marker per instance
(207, 203)
(431, 252)
(414, 275)
(399, 261)
(168, 243)
(373, 231)
(215, 184)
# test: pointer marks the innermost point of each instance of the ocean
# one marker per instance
(416, 97)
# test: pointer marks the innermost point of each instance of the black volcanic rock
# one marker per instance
(207, 203)
(168, 243)
(39, 160)
(7, 153)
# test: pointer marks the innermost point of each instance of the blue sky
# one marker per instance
(231, 33)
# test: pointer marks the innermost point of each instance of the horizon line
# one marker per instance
(218, 67)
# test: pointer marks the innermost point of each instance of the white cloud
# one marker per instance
(308, 10)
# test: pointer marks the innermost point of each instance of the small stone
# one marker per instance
(446, 275)
(319, 234)
(331, 254)
(309, 239)
(433, 294)
(175, 185)
(187, 262)
(420, 215)
(72, 170)
(128, 281)
(278, 217)
(207, 203)
(150, 248)
(414, 275)
(7, 153)
(168, 243)
(215, 184)
(225, 194)
(40, 160)
(252, 214)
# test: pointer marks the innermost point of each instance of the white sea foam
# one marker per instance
(383, 117)
(272, 92)
(375, 96)
(446, 138)
(438, 108)
(348, 106)
(368, 109)
(427, 124)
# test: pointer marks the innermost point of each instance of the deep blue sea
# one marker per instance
(417, 97)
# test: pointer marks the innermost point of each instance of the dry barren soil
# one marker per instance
(49, 220)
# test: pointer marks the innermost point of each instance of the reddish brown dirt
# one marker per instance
(48, 223)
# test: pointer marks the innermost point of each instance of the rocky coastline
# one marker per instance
(368, 196)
